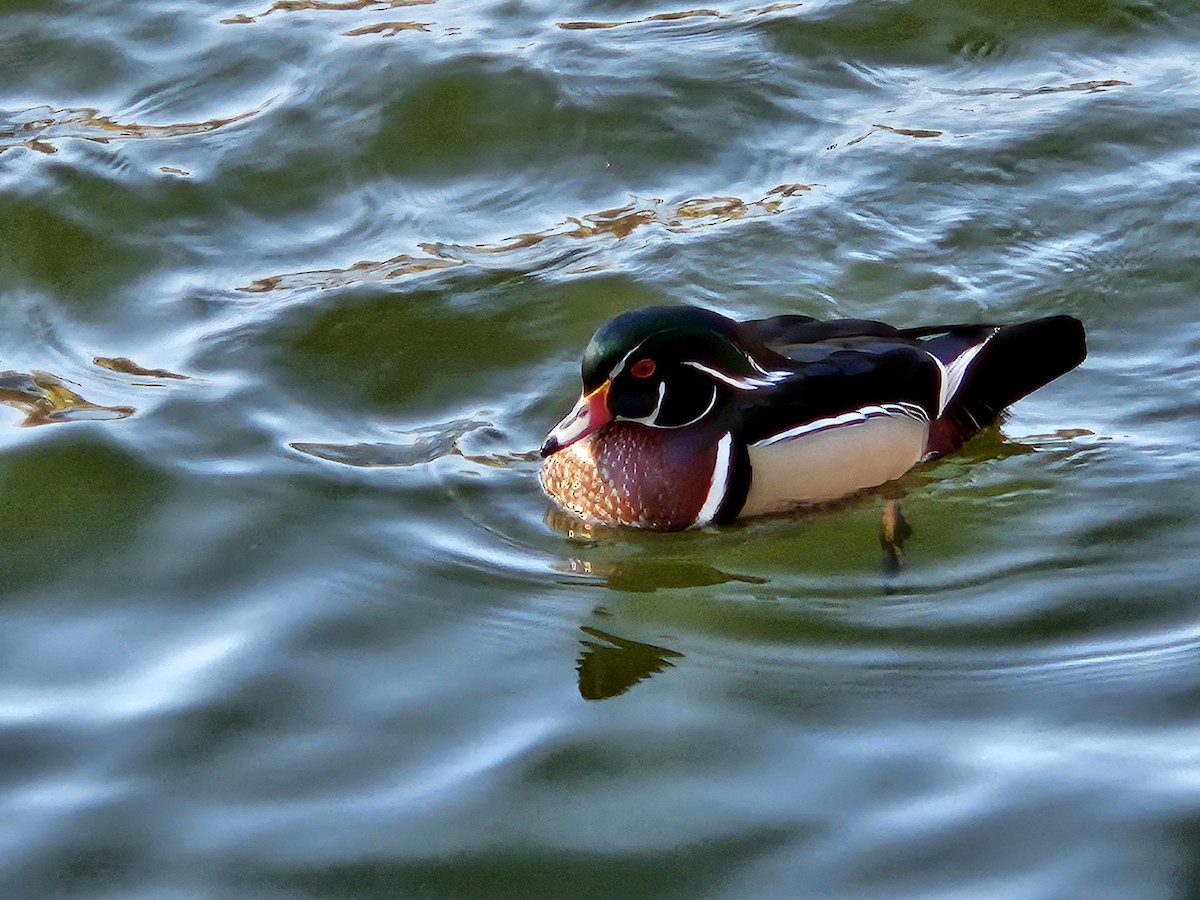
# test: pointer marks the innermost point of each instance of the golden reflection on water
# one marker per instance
(46, 400)
(1083, 87)
(36, 127)
(678, 16)
(326, 6)
(907, 132)
(618, 223)
(362, 271)
(387, 29)
(127, 366)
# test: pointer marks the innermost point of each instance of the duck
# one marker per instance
(689, 418)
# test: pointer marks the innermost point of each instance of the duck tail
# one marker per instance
(1013, 361)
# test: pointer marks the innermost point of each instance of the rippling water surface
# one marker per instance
(289, 293)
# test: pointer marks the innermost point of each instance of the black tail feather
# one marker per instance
(1018, 360)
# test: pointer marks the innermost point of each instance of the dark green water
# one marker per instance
(289, 294)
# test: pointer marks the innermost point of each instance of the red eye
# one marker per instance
(643, 368)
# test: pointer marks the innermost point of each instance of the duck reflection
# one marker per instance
(648, 574)
(644, 576)
(610, 665)
(635, 574)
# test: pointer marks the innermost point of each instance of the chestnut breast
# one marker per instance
(631, 474)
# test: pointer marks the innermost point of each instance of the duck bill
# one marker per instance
(589, 415)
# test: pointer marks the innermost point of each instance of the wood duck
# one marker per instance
(690, 418)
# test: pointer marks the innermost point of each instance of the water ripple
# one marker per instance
(167, 680)
(45, 400)
(425, 445)
(673, 17)
(290, 615)
(292, 6)
(41, 128)
(610, 224)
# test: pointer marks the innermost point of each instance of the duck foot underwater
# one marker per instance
(893, 532)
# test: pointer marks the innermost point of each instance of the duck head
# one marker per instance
(665, 367)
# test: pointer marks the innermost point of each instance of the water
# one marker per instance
(290, 293)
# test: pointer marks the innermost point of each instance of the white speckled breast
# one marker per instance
(629, 474)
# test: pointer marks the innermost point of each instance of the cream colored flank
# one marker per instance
(814, 468)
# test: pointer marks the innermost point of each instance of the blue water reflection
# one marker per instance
(292, 291)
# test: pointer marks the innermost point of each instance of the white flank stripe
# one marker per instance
(912, 410)
(953, 374)
(720, 481)
(854, 417)
(741, 384)
(773, 376)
